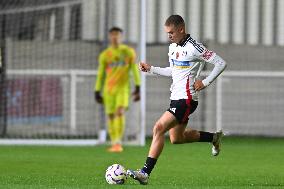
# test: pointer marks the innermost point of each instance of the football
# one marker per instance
(115, 174)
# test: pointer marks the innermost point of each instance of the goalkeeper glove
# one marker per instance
(98, 97)
(136, 94)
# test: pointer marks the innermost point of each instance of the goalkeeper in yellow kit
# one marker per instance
(115, 64)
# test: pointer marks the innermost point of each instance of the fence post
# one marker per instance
(143, 75)
(219, 103)
(73, 89)
(3, 82)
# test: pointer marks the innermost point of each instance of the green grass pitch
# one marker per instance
(243, 163)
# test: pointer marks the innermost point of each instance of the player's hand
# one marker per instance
(144, 67)
(198, 85)
(136, 94)
(98, 97)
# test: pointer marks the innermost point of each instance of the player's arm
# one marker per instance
(144, 67)
(136, 76)
(100, 80)
(212, 58)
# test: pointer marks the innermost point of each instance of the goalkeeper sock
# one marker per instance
(111, 130)
(206, 136)
(120, 127)
(149, 165)
(119, 124)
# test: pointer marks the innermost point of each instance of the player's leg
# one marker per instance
(112, 130)
(120, 122)
(181, 134)
(165, 123)
(121, 104)
(181, 109)
(119, 125)
(110, 123)
(109, 104)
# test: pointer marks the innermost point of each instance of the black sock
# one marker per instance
(206, 136)
(149, 165)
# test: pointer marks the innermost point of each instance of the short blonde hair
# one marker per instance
(175, 20)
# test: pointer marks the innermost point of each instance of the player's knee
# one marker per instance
(111, 116)
(176, 140)
(120, 111)
(158, 128)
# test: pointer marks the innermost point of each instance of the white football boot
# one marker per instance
(138, 175)
(217, 143)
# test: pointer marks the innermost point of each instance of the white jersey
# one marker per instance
(186, 62)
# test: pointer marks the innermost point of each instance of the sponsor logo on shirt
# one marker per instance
(181, 64)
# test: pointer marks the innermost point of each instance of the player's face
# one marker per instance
(175, 34)
(115, 37)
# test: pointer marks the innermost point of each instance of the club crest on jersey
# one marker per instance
(207, 54)
(177, 55)
(184, 53)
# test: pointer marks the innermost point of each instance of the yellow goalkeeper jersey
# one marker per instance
(114, 69)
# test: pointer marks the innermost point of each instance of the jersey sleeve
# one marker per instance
(167, 71)
(134, 68)
(101, 73)
(203, 54)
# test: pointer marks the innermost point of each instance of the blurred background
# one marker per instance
(49, 57)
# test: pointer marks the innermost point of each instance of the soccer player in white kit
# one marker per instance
(186, 58)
